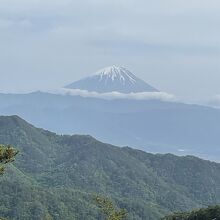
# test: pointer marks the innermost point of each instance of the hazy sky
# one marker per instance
(173, 45)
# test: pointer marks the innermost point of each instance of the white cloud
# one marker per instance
(213, 101)
(63, 40)
(161, 96)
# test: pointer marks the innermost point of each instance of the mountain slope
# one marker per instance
(153, 126)
(113, 79)
(75, 167)
(210, 213)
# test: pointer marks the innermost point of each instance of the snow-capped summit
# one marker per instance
(113, 73)
(112, 79)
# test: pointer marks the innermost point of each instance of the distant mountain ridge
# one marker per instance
(56, 175)
(153, 126)
(112, 79)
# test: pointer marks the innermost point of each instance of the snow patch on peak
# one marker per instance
(115, 73)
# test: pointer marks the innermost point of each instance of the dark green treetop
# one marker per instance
(109, 209)
(7, 155)
(210, 213)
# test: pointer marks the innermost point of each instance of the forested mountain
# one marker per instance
(57, 176)
(151, 125)
(210, 213)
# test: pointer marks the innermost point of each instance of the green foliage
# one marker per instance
(48, 217)
(109, 209)
(55, 176)
(210, 213)
(7, 155)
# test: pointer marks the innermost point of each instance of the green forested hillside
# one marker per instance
(210, 213)
(56, 176)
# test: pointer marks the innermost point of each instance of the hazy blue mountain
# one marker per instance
(112, 79)
(154, 126)
(57, 176)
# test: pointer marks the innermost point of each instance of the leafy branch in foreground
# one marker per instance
(7, 155)
(109, 209)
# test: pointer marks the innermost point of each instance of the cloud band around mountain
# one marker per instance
(161, 96)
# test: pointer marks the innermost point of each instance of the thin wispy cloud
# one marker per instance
(161, 96)
(213, 101)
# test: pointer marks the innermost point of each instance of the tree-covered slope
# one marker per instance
(58, 175)
(210, 213)
(152, 125)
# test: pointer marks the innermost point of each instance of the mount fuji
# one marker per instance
(112, 79)
(153, 125)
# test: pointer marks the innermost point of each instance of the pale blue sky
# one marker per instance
(173, 45)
